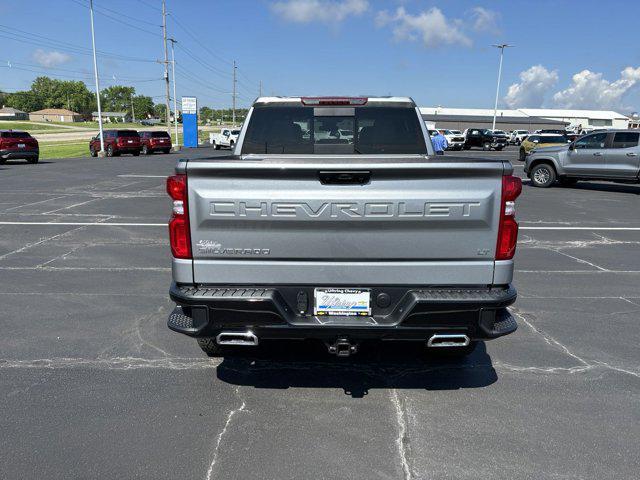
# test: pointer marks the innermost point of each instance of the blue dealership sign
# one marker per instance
(190, 121)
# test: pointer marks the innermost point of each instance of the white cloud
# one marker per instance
(485, 20)
(589, 90)
(50, 59)
(307, 11)
(431, 26)
(532, 88)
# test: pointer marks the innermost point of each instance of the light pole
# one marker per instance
(176, 145)
(95, 72)
(502, 46)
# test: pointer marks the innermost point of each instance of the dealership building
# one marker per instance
(522, 119)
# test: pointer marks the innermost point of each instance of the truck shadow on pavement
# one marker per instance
(281, 365)
(596, 187)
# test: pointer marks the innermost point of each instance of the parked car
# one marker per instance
(226, 138)
(156, 141)
(454, 140)
(150, 122)
(485, 139)
(16, 144)
(540, 141)
(517, 136)
(292, 247)
(613, 155)
(117, 142)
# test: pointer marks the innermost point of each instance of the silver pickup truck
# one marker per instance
(306, 232)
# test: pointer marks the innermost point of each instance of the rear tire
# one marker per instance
(167, 150)
(110, 151)
(486, 146)
(136, 154)
(543, 175)
(499, 148)
(34, 159)
(216, 146)
(93, 152)
(145, 150)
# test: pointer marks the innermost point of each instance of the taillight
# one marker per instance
(179, 223)
(508, 228)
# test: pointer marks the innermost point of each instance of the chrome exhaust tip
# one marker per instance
(247, 338)
(446, 341)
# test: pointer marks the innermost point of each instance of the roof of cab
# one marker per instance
(380, 101)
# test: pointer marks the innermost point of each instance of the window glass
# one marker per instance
(626, 139)
(159, 134)
(533, 138)
(127, 133)
(593, 141)
(373, 130)
(15, 135)
(553, 139)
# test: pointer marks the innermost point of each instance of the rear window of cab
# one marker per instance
(359, 130)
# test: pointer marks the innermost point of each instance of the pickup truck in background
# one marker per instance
(225, 138)
(484, 138)
(306, 233)
(455, 139)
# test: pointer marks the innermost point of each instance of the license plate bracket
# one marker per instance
(342, 301)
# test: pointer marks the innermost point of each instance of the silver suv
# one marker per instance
(613, 155)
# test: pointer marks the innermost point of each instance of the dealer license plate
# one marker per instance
(342, 301)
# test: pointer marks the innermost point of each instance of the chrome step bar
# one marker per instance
(447, 341)
(247, 338)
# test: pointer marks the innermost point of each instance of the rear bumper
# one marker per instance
(408, 314)
(158, 147)
(29, 153)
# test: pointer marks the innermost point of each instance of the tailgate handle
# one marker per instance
(345, 177)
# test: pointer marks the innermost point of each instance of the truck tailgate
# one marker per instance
(412, 221)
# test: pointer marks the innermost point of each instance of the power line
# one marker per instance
(195, 39)
(149, 5)
(41, 40)
(118, 19)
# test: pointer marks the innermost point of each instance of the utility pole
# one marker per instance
(176, 145)
(260, 89)
(133, 112)
(234, 93)
(166, 62)
(95, 73)
(502, 46)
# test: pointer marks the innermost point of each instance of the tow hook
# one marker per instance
(342, 347)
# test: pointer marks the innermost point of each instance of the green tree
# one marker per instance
(160, 111)
(143, 106)
(206, 114)
(117, 98)
(25, 101)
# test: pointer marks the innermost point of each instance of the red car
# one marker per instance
(159, 141)
(15, 144)
(117, 142)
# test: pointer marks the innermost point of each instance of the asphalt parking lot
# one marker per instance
(94, 385)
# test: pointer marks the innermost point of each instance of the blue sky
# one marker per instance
(573, 54)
